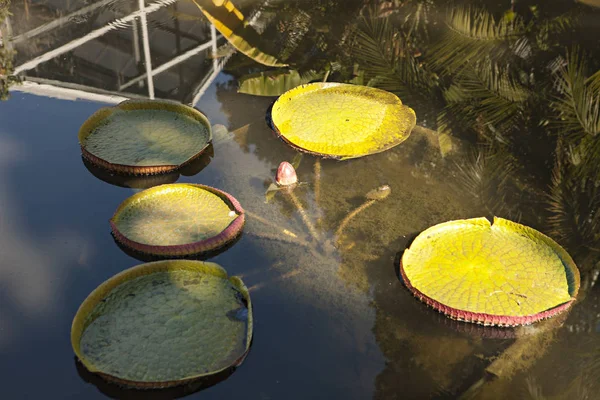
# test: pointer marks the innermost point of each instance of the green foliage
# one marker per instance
(485, 175)
(275, 83)
(389, 61)
(577, 108)
(574, 201)
(474, 33)
(488, 91)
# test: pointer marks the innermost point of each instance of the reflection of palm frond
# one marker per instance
(485, 176)
(386, 58)
(494, 95)
(575, 390)
(413, 16)
(579, 103)
(547, 29)
(473, 33)
(574, 205)
(578, 107)
(594, 81)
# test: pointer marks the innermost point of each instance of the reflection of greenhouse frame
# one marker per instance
(68, 90)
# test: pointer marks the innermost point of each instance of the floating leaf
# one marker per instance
(164, 324)
(228, 20)
(275, 83)
(178, 220)
(144, 137)
(340, 120)
(503, 274)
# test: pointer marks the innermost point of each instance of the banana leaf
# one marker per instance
(230, 22)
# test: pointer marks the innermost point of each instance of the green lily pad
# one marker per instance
(341, 121)
(144, 137)
(275, 83)
(163, 324)
(504, 274)
(178, 220)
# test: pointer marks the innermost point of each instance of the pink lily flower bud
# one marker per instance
(286, 174)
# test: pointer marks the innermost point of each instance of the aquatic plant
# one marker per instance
(164, 324)
(228, 20)
(178, 220)
(341, 121)
(503, 274)
(275, 83)
(144, 137)
(286, 174)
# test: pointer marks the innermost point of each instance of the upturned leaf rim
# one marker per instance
(210, 245)
(318, 86)
(487, 319)
(80, 323)
(97, 118)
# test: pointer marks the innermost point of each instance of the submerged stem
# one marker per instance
(311, 228)
(346, 220)
(271, 224)
(374, 195)
(280, 238)
(317, 180)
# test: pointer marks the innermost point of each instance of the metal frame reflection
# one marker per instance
(66, 90)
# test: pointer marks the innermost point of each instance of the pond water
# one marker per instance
(506, 95)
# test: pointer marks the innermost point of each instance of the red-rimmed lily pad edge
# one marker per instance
(100, 116)
(197, 250)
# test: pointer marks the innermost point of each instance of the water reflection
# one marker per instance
(115, 391)
(147, 181)
(521, 104)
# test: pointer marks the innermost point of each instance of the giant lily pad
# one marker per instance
(503, 274)
(144, 137)
(178, 220)
(163, 324)
(341, 121)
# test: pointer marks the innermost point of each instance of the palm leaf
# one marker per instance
(473, 33)
(577, 109)
(387, 61)
(594, 81)
(484, 176)
(491, 94)
(578, 105)
(574, 201)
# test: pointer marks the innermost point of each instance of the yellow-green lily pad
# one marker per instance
(178, 220)
(503, 274)
(144, 137)
(163, 324)
(341, 121)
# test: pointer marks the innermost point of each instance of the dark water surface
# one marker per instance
(329, 322)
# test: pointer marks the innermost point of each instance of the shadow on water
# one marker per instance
(115, 391)
(425, 354)
(200, 257)
(193, 167)
(182, 310)
(398, 257)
